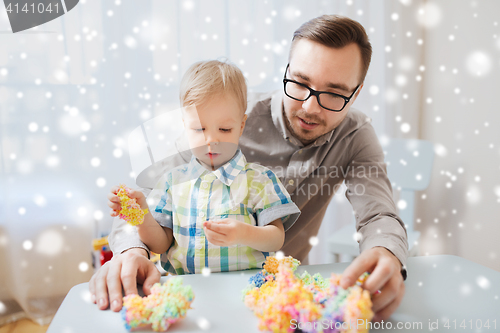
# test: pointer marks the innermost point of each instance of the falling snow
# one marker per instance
(70, 101)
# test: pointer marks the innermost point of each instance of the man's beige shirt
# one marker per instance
(311, 174)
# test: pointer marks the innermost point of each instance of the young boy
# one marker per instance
(217, 211)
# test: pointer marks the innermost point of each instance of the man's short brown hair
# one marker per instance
(336, 31)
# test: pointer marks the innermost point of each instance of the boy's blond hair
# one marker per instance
(207, 79)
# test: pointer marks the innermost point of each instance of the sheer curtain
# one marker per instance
(72, 89)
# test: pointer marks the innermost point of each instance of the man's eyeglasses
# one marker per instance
(327, 100)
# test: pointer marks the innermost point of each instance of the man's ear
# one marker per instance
(243, 122)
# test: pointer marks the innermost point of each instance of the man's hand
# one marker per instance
(127, 269)
(225, 232)
(114, 200)
(385, 276)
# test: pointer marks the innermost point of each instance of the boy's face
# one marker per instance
(213, 130)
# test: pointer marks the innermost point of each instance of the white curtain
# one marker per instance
(72, 89)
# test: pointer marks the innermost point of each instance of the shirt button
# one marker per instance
(205, 185)
(199, 247)
(291, 182)
(300, 151)
(201, 214)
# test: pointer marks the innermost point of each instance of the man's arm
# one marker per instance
(383, 243)
(370, 193)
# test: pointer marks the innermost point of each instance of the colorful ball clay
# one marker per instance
(281, 298)
(272, 264)
(130, 210)
(167, 304)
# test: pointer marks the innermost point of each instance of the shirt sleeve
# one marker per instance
(370, 193)
(160, 201)
(271, 200)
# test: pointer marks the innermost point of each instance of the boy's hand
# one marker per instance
(114, 200)
(225, 232)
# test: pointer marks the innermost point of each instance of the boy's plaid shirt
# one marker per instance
(190, 194)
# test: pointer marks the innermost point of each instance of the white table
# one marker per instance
(439, 289)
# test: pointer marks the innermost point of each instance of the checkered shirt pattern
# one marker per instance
(190, 194)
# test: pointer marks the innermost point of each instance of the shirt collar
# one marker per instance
(225, 173)
(278, 115)
(325, 138)
(195, 169)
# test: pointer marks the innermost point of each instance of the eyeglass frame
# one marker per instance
(316, 92)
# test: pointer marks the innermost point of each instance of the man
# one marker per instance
(310, 137)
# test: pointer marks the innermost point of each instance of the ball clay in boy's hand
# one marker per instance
(131, 211)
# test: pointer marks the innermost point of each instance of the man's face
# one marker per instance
(321, 68)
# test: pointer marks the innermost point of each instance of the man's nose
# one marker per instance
(311, 105)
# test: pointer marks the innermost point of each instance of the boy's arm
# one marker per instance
(268, 238)
(157, 238)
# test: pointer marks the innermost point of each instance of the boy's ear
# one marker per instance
(243, 122)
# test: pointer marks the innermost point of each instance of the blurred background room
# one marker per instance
(73, 89)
